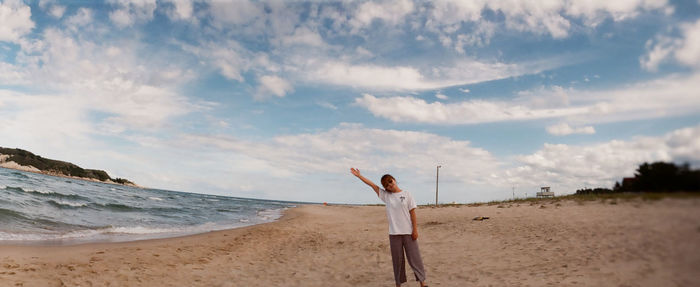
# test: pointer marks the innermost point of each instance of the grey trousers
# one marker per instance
(398, 244)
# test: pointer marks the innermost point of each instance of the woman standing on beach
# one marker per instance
(403, 227)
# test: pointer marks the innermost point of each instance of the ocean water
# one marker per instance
(41, 209)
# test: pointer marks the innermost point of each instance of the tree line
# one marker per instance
(655, 177)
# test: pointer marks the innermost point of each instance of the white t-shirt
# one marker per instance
(398, 206)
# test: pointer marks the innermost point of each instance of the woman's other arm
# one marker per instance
(356, 172)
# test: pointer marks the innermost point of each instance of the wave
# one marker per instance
(111, 233)
(66, 204)
(115, 207)
(19, 174)
(42, 193)
(7, 215)
(23, 223)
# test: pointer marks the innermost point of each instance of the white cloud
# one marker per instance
(594, 12)
(230, 58)
(327, 105)
(57, 11)
(226, 13)
(688, 52)
(685, 49)
(570, 167)
(15, 20)
(441, 96)
(337, 149)
(410, 109)
(131, 12)
(182, 9)
(480, 36)
(273, 85)
(447, 17)
(464, 90)
(304, 36)
(103, 78)
(12, 75)
(375, 77)
(390, 12)
(564, 129)
(325, 157)
(671, 96)
(82, 18)
(370, 76)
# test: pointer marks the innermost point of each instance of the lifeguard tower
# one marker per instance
(544, 192)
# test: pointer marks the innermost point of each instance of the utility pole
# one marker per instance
(437, 178)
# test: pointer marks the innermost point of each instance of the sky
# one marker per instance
(278, 99)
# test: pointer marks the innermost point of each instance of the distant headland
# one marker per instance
(19, 159)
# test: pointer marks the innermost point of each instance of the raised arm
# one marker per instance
(356, 172)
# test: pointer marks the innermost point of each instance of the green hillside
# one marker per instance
(27, 158)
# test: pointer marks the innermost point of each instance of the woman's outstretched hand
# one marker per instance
(355, 172)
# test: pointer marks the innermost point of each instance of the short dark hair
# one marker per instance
(385, 178)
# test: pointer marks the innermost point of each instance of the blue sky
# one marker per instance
(278, 99)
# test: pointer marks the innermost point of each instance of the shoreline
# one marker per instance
(564, 243)
(128, 238)
(41, 244)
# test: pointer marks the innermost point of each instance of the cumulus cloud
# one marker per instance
(57, 11)
(411, 109)
(397, 78)
(347, 145)
(304, 36)
(570, 167)
(554, 18)
(181, 9)
(688, 52)
(671, 96)
(684, 49)
(15, 20)
(81, 18)
(391, 12)
(328, 155)
(371, 76)
(130, 12)
(564, 129)
(236, 13)
(229, 57)
(327, 105)
(102, 77)
(273, 85)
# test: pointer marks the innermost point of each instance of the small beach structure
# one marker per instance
(544, 192)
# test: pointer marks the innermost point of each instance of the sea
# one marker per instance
(47, 210)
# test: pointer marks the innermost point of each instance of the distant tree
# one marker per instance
(661, 177)
(594, 191)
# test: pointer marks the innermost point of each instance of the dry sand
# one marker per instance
(567, 243)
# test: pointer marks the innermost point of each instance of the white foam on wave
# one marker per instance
(131, 233)
(69, 203)
(37, 191)
(155, 198)
(270, 214)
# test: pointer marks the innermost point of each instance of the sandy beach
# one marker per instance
(549, 243)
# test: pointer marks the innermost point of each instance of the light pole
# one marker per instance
(437, 178)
